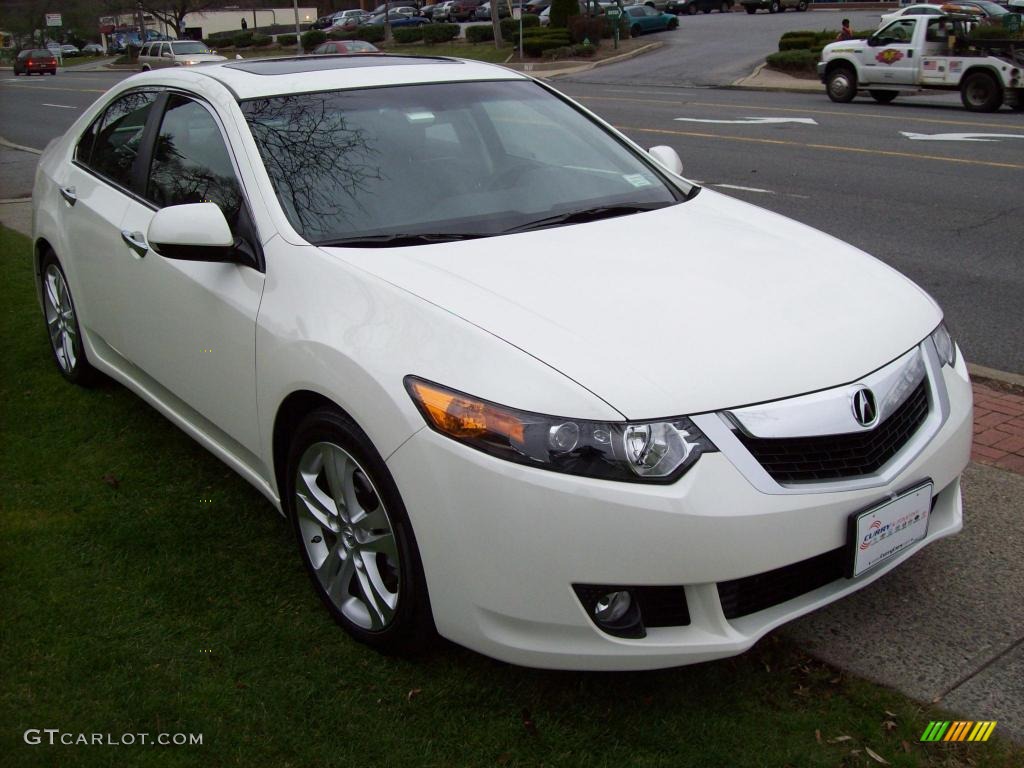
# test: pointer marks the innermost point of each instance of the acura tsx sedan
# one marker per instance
(510, 377)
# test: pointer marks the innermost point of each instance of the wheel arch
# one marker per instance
(290, 413)
(40, 248)
(841, 61)
(985, 69)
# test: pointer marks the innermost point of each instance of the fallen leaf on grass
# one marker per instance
(817, 735)
(528, 724)
(875, 756)
(112, 480)
(839, 739)
(413, 694)
(890, 714)
(889, 725)
(905, 745)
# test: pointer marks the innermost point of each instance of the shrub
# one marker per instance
(510, 27)
(439, 33)
(796, 43)
(584, 50)
(313, 38)
(212, 42)
(481, 33)
(286, 40)
(586, 28)
(560, 12)
(242, 39)
(535, 45)
(408, 34)
(992, 32)
(793, 61)
(561, 52)
(371, 33)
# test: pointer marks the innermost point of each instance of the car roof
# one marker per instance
(257, 78)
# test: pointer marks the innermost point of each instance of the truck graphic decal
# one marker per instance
(889, 56)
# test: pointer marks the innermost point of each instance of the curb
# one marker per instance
(595, 64)
(11, 145)
(1004, 377)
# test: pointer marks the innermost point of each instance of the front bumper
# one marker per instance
(821, 71)
(502, 545)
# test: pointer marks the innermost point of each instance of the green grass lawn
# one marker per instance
(146, 588)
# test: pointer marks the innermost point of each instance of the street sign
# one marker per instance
(613, 13)
(52, 20)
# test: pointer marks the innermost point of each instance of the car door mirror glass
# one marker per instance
(192, 232)
(667, 157)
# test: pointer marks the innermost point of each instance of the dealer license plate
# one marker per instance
(882, 532)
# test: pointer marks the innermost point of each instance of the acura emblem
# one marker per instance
(865, 411)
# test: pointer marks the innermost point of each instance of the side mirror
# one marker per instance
(192, 232)
(874, 42)
(667, 157)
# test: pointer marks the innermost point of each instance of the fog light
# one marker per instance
(612, 607)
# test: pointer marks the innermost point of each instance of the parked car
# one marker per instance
(643, 18)
(463, 10)
(39, 60)
(397, 19)
(350, 21)
(536, 7)
(773, 6)
(394, 5)
(176, 53)
(93, 48)
(483, 11)
(983, 8)
(466, 430)
(692, 7)
(920, 9)
(442, 11)
(345, 46)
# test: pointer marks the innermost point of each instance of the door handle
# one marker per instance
(135, 241)
(68, 193)
(910, 53)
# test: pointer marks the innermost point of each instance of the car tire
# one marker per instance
(841, 84)
(673, 23)
(724, 8)
(980, 92)
(62, 327)
(775, 7)
(634, 31)
(801, 6)
(883, 97)
(369, 573)
(692, 8)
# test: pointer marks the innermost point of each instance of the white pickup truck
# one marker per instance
(927, 52)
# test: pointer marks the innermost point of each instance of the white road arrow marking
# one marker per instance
(753, 120)
(961, 136)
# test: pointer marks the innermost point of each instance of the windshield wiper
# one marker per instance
(398, 240)
(587, 214)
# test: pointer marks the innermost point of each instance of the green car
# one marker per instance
(643, 18)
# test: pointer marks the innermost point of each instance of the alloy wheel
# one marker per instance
(348, 536)
(60, 318)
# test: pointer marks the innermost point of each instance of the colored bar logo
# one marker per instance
(958, 730)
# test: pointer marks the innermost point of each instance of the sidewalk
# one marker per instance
(764, 79)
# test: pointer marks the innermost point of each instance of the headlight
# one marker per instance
(643, 451)
(944, 345)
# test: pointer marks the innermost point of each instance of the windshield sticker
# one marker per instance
(889, 56)
(637, 180)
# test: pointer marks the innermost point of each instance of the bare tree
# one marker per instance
(496, 22)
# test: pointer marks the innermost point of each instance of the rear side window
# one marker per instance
(112, 142)
(191, 163)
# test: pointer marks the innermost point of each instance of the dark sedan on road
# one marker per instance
(38, 60)
(773, 6)
(694, 6)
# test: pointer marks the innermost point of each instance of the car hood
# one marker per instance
(705, 305)
(202, 57)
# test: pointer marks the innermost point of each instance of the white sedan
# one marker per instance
(921, 9)
(509, 376)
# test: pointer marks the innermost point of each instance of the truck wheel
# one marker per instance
(981, 93)
(842, 84)
(883, 97)
(801, 6)
(775, 7)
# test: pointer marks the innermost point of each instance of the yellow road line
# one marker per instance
(901, 117)
(828, 147)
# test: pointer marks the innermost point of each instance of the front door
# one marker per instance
(193, 325)
(890, 57)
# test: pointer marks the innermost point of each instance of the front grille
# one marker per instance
(833, 457)
(663, 606)
(751, 594)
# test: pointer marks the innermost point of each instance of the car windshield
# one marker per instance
(189, 46)
(993, 9)
(445, 159)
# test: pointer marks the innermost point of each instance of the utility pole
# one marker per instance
(298, 32)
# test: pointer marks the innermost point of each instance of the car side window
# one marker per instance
(191, 163)
(901, 31)
(144, 51)
(111, 144)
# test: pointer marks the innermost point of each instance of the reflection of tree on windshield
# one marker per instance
(174, 180)
(318, 162)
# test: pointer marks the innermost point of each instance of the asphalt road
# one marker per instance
(719, 48)
(949, 214)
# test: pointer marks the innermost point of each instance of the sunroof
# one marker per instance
(293, 66)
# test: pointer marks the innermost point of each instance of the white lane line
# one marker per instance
(751, 120)
(744, 189)
(961, 136)
(61, 106)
